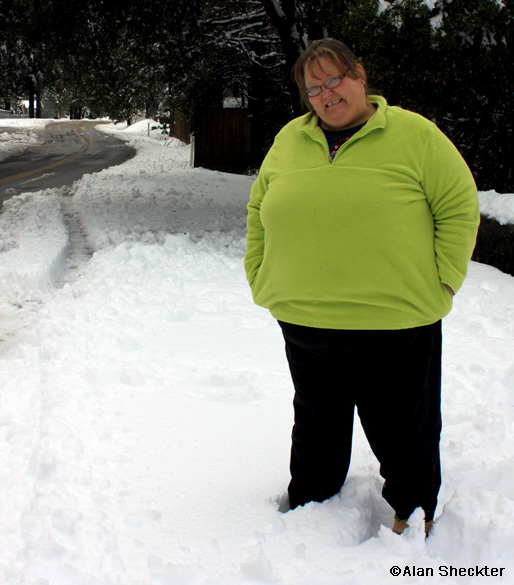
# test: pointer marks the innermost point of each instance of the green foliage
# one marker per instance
(452, 63)
(108, 57)
(237, 53)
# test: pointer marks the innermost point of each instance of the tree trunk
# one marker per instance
(151, 108)
(284, 16)
(480, 128)
(256, 109)
(31, 100)
(38, 104)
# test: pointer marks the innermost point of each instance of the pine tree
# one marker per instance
(452, 62)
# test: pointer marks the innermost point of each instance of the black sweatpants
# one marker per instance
(394, 380)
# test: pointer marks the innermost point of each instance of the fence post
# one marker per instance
(192, 157)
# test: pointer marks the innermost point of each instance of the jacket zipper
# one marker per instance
(330, 157)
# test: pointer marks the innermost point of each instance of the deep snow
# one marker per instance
(145, 401)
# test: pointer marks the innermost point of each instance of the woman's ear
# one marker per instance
(362, 73)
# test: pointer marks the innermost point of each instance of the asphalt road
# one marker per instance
(71, 149)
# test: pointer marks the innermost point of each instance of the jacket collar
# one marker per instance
(310, 122)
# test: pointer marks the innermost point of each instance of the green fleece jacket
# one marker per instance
(369, 240)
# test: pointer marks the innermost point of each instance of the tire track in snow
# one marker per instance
(79, 251)
(19, 316)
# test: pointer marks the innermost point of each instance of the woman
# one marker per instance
(361, 225)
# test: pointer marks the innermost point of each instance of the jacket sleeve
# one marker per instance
(255, 229)
(453, 199)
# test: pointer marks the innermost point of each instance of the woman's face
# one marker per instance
(342, 107)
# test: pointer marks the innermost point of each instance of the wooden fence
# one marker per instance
(223, 138)
(178, 126)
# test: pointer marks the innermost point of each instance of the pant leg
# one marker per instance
(400, 411)
(323, 411)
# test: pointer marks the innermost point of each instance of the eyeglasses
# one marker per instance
(329, 84)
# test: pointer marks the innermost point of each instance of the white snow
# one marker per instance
(26, 133)
(145, 403)
(499, 206)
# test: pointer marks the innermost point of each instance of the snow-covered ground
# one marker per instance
(145, 403)
(23, 133)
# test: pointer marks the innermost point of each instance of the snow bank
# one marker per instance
(157, 193)
(27, 133)
(499, 206)
(25, 123)
(33, 245)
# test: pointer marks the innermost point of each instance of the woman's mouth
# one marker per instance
(329, 105)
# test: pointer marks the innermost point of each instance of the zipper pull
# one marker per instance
(337, 146)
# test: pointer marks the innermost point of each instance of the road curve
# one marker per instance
(70, 150)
